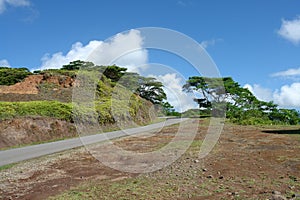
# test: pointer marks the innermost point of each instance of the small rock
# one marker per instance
(221, 177)
(196, 161)
(276, 192)
(205, 170)
(210, 176)
(291, 187)
(235, 193)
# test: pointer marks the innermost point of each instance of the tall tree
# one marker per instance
(152, 90)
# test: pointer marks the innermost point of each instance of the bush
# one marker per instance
(11, 76)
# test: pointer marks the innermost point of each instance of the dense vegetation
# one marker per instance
(241, 106)
(10, 76)
(53, 109)
(218, 97)
(114, 99)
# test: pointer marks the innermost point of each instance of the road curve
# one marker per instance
(19, 154)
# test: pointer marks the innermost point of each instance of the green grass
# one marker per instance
(131, 188)
(55, 109)
(4, 167)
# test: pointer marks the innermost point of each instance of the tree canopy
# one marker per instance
(10, 76)
(146, 87)
(241, 105)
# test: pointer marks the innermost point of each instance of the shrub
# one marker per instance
(11, 76)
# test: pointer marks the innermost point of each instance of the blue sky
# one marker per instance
(255, 42)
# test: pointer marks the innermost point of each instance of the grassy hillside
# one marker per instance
(42, 102)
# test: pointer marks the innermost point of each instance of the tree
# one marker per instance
(78, 64)
(152, 90)
(146, 87)
(11, 76)
(213, 92)
(114, 72)
(242, 106)
(168, 109)
(285, 116)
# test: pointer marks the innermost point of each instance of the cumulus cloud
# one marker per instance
(14, 3)
(287, 73)
(290, 30)
(263, 94)
(77, 52)
(286, 96)
(4, 63)
(125, 49)
(173, 88)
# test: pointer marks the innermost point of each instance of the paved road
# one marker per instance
(28, 152)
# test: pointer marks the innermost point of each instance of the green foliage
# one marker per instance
(114, 99)
(57, 72)
(241, 105)
(114, 72)
(195, 113)
(10, 76)
(285, 116)
(147, 88)
(77, 64)
(151, 90)
(53, 109)
(169, 110)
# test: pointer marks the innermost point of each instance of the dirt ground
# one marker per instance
(248, 162)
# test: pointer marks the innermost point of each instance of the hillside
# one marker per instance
(39, 108)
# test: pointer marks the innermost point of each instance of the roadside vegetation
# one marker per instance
(111, 101)
(219, 97)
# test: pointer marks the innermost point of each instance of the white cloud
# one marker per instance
(263, 94)
(287, 73)
(125, 49)
(4, 63)
(290, 30)
(77, 52)
(14, 3)
(286, 96)
(173, 88)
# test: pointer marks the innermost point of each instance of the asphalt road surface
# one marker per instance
(19, 154)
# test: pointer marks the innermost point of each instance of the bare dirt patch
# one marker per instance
(247, 163)
(22, 131)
